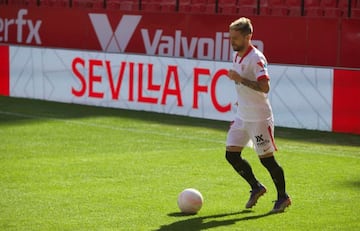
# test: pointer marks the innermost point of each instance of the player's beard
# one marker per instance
(238, 48)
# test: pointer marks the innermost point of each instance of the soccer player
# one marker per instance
(254, 118)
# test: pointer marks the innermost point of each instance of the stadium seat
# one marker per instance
(200, 8)
(16, 2)
(355, 9)
(277, 8)
(312, 8)
(264, 7)
(355, 13)
(228, 9)
(54, 3)
(127, 6)
(200, 2)
(167, 7)
(113, 5)
(159, 5)
(151, 6)
(185, 6)
(247, 7)
(294, 7)
(29, 2)
(334, 9)
(83, 3)
(197, 6)
(226, 2)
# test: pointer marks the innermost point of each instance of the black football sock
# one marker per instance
(277, 174)
(242, 167)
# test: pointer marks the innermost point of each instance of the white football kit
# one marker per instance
(254, 118)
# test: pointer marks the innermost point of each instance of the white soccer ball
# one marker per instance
(190, 201)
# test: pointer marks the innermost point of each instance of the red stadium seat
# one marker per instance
(294, 7)
(30, 2)
(227, 2)
(265, 7)
(197, 6)
(127, 6)
(247, 7)
(355, 13)
(151, 7)
(83, 3)
(247, 10)
(112, 5)
(228, 9)
(16, 2)
(206, 9)
(55, 3)
(276, 3)
(168, 7)
(202, 2)
(313, 9)
(184, 6)
(274, 7)
(334, 9)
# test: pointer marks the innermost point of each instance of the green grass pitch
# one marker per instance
(71, 167)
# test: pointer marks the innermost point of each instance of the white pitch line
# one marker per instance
(172, 135)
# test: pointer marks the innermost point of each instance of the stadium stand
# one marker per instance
(313, 8)
(332, 8)
(355, 12)
(248, 7)
(309, 8)
(273, 7)
(197, 6)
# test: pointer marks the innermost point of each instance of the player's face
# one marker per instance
(238, 41)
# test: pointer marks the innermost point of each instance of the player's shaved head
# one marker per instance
(243, 25)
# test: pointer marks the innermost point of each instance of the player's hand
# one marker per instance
(233, 75)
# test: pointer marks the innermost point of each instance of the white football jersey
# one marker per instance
(252, 105)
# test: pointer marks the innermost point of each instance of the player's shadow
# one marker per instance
(207, 222)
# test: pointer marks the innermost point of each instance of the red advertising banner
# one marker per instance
(285, 40)
(346, 106)
(350, 43)
(4, 70)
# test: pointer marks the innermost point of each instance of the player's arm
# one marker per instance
(261, 85)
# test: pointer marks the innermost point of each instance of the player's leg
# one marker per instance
(263, 139)
(237, 138)
(277, 175)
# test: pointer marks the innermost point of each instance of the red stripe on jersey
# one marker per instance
(272, 138)
(246, 53)
(236, 57)
(263, 77)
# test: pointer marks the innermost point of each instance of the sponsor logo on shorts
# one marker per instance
(260, 141)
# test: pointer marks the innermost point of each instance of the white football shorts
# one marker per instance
(259, 135)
